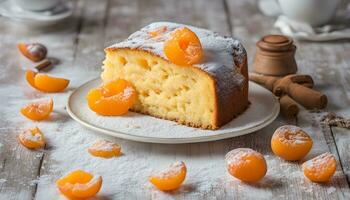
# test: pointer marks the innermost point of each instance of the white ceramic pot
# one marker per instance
(313, 12)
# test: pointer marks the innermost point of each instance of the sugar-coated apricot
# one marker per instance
(46, 83)
(104, 149)
(183, 47)
(32, 138)
(112, 99)
(320, 168)
(246, 164)
(170, 178)
(79, 185)
(35, 51)
(158, 31)
(291, 142)
(38, 110)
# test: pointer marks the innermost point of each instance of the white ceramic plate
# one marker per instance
(263, 110)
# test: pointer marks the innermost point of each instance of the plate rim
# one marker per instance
(155, 140)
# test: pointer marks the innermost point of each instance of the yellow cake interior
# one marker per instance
(165, 90)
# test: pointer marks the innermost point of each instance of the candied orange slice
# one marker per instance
(291, 142)
(112, 99)
(170, 178)
(32, 138)
(39, 110)
(320, 168)
(104, 149)
(158, 31)
(46, 83)
(79, 185)
(246, 164)
(183, 47)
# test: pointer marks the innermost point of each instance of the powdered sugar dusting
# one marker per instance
(291, 135)
(128, 91)
(171, 171)
(31, 136)
(103, 145)
(237, 157)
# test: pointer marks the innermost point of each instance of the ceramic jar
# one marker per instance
(275, 56)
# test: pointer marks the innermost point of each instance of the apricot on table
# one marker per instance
(35, 51)
(170, 178)
(104, 149)
(46, 83)
(246, 164)
(38, 110)
(113, 98)
(79, 185)
(183, 47)
(32, 138)
(321, 168)
(291, 142)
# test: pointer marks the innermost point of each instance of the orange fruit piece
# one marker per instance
(104, 149)
(46, 83)
(183, 47)
(39, 110)
(79, 185)
(246, 164)
(158, 31)
(35, 51)
(112, 99)
(321, 168)
(32, 138)
(291, 142)
(170, 178)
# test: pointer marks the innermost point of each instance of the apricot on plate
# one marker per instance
(321, 168)
(171, 178)
(291, 142)
(32, 138)
(112, 99)
(79, 185)
(38, 110)
(246, 164)
(183, 47)
(104, 149)
(46, 83)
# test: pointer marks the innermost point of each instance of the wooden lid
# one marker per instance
(275, 43)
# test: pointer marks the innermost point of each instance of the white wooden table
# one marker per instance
(79, 44)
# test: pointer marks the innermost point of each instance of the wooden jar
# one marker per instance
(275, 56)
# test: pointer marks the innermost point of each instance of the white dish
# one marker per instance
(263, 110)
(36, 18)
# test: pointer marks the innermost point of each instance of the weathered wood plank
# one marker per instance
(250, 24)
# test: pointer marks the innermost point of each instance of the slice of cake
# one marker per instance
(207, 94)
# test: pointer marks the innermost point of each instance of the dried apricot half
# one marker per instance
(46, 83)
(79, 185)
(104, 149)
(291, 142)
(112, 99)
(183, 47)
(38, 110)
(246, 164)
(170, 178)
(32, 138)
(158, 31)
(320, 168)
